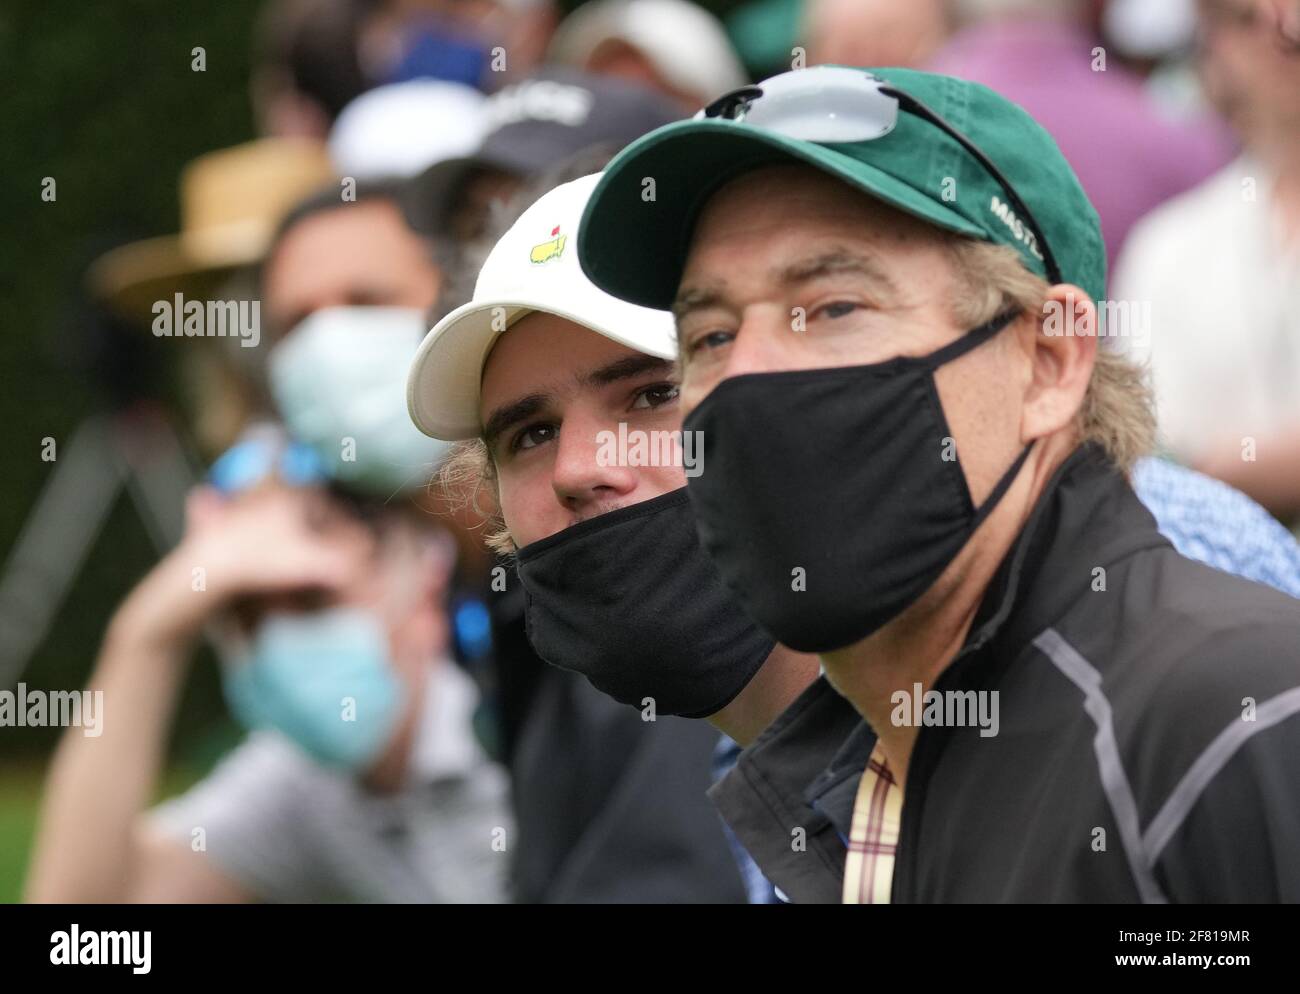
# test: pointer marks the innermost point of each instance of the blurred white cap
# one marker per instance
(403, 128)
(1150, 28)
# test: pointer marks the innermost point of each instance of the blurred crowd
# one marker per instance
(398, 140)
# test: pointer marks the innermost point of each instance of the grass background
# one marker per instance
(101, 97)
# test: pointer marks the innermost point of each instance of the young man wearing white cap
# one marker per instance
(543, 372)
(546, 374)
(570, 394)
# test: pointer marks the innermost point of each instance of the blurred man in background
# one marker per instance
(875, 32)
(482, 43)
(1221, 269)
(362, 779)
(345, 288)
(344, 285)
(330, 252)
(1045, 56)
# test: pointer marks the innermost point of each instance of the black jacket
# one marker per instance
(1149, 740)
(609, 808)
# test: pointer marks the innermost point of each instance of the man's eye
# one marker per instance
(533, 436)
(710, 340)
(837, 309)
(656, 396)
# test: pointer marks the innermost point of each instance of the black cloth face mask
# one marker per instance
(629, 600)
(833, 498)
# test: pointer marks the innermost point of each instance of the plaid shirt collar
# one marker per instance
(873, 838)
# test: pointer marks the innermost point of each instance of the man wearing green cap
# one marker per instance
(886, 287)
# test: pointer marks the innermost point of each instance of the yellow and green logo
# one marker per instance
(547, 251)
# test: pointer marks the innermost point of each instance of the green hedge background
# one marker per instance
(101, 97)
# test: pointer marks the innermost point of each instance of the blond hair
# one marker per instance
(1118, 411)
(468, 481)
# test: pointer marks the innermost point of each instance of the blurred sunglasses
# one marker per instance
(253, 460)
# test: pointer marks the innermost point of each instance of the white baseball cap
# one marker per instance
(534, 267)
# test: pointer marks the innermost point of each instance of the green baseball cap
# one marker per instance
(637, 227)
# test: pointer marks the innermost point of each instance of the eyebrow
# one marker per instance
(624, 369)
(836, 260)
(508, 415)
(695, 298)
(366, 293)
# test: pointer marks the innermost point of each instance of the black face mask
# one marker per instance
(629, 600)
(849, 475)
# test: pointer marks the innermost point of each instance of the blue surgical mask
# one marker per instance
(433, 51)
(339, 381)
(323, 679)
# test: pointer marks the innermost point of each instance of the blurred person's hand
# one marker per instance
(275, 540)
(277, 543)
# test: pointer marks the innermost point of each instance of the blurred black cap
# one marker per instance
(535, 125)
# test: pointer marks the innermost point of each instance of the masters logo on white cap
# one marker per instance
(534, 267)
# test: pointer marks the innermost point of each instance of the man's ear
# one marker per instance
(1061, 342)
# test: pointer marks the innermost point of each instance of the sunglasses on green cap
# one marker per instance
(950, 152)
(835, 104)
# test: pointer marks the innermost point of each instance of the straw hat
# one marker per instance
(231, 202)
